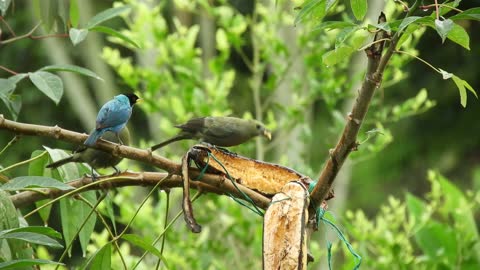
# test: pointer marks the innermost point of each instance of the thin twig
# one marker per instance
(104, 222)
(23, 162)
(440, 5)
(167, 207)
(27, 35)
(8, 26)
(8, 70)
(140, 207)
(12, 141)
(194, 198)
(419, 59)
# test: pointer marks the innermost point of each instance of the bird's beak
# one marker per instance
(267, 134)
(140, 100)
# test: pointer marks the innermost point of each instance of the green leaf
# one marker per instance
(329, 25)
(407, 21)
(6, 86)
(72, 68)
(16, 78)
(77, 35)
(462, 85)
(71, 223)
(310, 7)
(37, 168)
(140, 242)
(416, 210)
(359, 8)
(74, 14)
(111, 32)
(16, 264)
(337, 55)
(4, 6)
(106, 15)
(437, 241)
(469, 14)
(459, 36)
(35, 229)
(13, 103)
(29, 182)
(50, 84)
(344, 34)
(101, 258)
(33, 238)
(443, 28)
(8, 213)
(108, 201)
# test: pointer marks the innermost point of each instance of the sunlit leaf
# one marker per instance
(462, 86)
(359, 8)
(459, 36)
(77, 35)
(328, 25)
(105, 15)
(28, 182)
(113, 33)
(72, 68)
(50, 84)
(469, 14)
(407, 21)
(317, 7)
(337, 55)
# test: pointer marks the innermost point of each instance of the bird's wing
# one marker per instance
(113, 113)
(221, 130)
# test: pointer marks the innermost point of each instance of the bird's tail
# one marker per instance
(94, 136)
(59, 163)
(169, 141)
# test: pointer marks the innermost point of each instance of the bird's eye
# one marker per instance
(258, 126)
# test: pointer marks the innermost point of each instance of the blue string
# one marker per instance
(358, 258)
(255, 209)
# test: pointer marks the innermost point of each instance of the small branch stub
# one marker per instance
(284, 229)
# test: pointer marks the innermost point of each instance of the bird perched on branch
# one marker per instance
(220, 131)
(94, 157)
(113, 116)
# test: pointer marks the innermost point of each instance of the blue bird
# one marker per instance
(113, 116)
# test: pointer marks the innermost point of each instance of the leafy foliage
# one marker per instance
(437, 233)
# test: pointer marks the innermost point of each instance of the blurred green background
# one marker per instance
(248, 59)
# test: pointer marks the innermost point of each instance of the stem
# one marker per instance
(27, 35)
(8, 70)
(102, 219)
(194, 198)
(12, 141)
(420, 59)
(441, 5)
(167, 207)
(8, 26)
(79, 229)
(140, 207)
(436, 9)
(23, 162)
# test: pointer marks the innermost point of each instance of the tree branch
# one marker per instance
(208, 182)
(348, 140)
